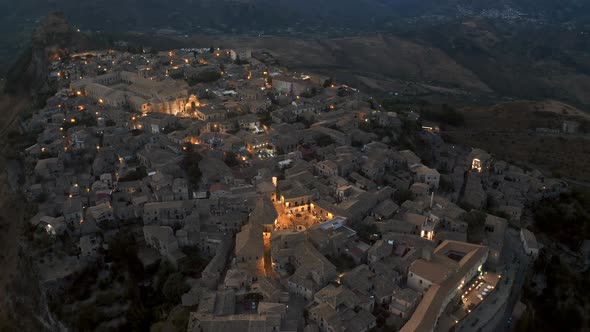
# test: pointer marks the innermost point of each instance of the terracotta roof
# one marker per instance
(431, 306)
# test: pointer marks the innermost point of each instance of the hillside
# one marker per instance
(474, 60)
(384, 57)
(473, 50)
(518, 60)
(508, 130)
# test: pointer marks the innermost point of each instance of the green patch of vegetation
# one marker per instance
(563, 303)
(475, 225)
(108, 298)
(265, 118)
(566, 219)
(138, 174)
(123, 252)
(230, 159)
(136, 132)
(89, 316)
(205, 76)
(306, 120)
(367, 126)
(14, 77)
(176, 74)
(446, 114)
(82, 285)
(290, 268)
(172, 128)
(174, 287)
(446, 184)
(190, 164)
(324, 140)
(342, 262)
(310, 94)
(366, 232)
(526, 321)
(402, 195)
(193, 264)
(179, 318)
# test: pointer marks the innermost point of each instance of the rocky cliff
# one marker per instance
(50, 41)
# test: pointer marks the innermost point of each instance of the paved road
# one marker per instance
(493, 313)
(488, 315)
(524, 262)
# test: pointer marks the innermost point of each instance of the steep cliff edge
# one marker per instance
(23, 305)
(50, 41)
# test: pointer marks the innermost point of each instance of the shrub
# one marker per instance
(174, 287)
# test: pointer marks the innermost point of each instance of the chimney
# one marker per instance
(427, 253)
(432, 199)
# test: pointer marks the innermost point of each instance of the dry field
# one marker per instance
(384, 56)
(506, 131)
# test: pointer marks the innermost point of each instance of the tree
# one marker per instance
(179, 317)
(88, 318)
(290, 268)
(139, 317)
(265, 118)
(324, 140)
(231, 159)
(475, 225)
(123, 251)
(174, 287)
(403, 195)
(279, 151)
(446, 184)
(366, 231)
(567, 219)
(206, 76)
(447, 114)
(342, 262)
(193, 264)
(138, 174)
(190, 164)
(307, 120)
(176, 74)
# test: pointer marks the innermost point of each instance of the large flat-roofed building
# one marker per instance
(291, 85)
(441, 275)
(141, 94)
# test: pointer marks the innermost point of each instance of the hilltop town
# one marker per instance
(211, 189)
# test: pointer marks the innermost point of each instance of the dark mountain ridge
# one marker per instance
(516, 48)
